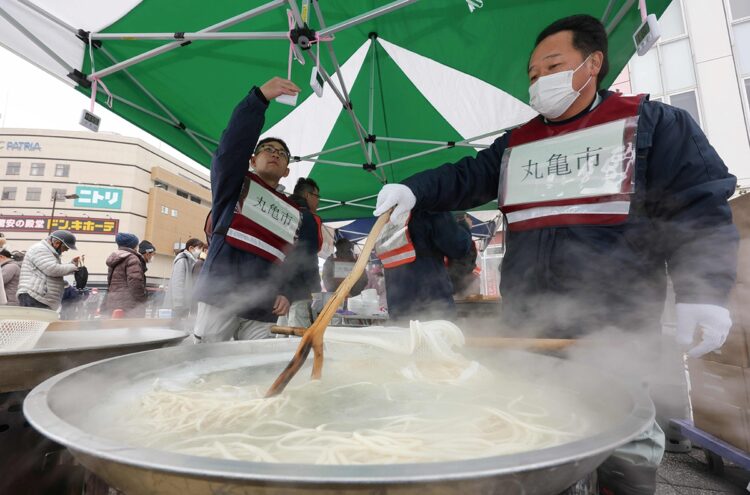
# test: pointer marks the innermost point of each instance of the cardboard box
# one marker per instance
(715, 382)
(736, 349)
(725, 421)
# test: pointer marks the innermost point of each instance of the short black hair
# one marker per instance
(191, 243)
(304, 185)
(273, 140)
(589, 36)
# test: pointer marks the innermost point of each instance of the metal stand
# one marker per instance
(716, 449)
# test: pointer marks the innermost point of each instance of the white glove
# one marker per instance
(714, 321)
(397, 195)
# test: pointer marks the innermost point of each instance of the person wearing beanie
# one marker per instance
(147, 250)
(126, 278)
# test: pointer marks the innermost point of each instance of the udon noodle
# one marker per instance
(436, 406)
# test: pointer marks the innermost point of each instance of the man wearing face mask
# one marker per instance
(241, 287)
(603, 195)
(41, 282)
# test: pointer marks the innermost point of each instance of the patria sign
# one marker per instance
(20, 146)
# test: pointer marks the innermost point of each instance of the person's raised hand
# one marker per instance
(279, 86)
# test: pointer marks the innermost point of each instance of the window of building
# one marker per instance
(13, 168)
(195, 199)
(9, 193)
(672, 22)
(37, 169)
(62, 170)
(687, 101)
(33, 194)
(677, 65)
(174, 213)
(182, 194)
(159, 184)
(741, 32)
(747, 88)
(740, 9)
(164, 210)
(59, 194)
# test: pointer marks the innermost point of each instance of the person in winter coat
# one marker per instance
(41, 282)
(126, 278)
(181, 281)
(241, 287)
(461, 270)
(604, 195)
(303, 258)
(11, 273)
(338, 265)
(421, 289)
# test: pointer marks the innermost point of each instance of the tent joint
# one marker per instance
(85, 36)
(451, 144)
(80, 78)
(371, 138)
(373, 35)
(369, 167)
(302, 36)
(180, 125)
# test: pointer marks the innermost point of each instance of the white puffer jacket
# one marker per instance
(42, 274)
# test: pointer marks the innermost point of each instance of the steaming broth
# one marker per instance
(364, 411)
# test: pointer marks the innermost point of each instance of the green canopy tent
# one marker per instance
(409, 85)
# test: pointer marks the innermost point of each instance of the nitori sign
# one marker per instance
(98, 197)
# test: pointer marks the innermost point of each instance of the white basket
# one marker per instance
(21, 327)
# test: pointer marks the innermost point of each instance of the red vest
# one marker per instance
(584, 209)
(270, 229)
(394, 246)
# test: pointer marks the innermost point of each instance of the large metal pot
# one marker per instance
(50, 409)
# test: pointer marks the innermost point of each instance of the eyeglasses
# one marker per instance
(271, 150)
(314, 194)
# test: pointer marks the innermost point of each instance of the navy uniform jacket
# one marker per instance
(239, 281)
(564, 281)
(422, 289)
(302, 261)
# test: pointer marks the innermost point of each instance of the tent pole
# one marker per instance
(330, 150)
(39, 43)
(199, 36)
(385, 9)
(176, 44)
(618, 17)
(340, 164)
(345, 102)
(607, 11)
(371, 116)
(427, 141)
(415, 155)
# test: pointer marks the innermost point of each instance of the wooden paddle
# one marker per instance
(529, 344)
(312, 337)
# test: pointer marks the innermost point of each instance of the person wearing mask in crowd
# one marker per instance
(41, 281)
(180, 292)
(461, 270)
(11, 273)
(338, 265)
(241, 287)
(199, 262)
(419, 287)
(376, 280)
(645, 194)
(302, 260)
(126, 278)
(147, 250)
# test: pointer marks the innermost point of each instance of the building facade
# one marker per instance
(702, 63)
(113, 183)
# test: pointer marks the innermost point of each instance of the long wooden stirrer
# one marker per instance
(313, 336)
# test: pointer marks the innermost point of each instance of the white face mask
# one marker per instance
(195, 253)
(553, 94)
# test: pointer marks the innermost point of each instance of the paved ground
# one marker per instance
(689, 474)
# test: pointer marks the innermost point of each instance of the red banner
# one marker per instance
(76, 225)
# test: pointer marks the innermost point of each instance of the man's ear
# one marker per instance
(286, 173)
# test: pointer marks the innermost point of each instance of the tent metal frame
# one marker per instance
(366, 140)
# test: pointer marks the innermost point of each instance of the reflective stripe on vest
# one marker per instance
(571, 184)
(398, 257)
(265, 222)
(264, 247)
